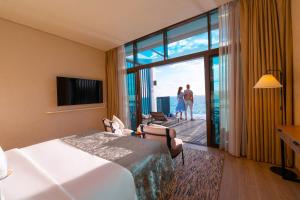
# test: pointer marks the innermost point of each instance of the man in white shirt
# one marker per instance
(189, 101)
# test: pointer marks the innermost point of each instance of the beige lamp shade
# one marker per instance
(268, 81)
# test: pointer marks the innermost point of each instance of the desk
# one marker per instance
(289, 135)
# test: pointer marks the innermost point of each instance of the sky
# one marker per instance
(193, 44)
(170, 77)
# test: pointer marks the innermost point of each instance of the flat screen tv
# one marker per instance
(75, 91)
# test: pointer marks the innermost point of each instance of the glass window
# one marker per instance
(188, 39)
(215, 98)
(129, 56)
(146, 90)
(150, 50)
(131, 87)
(214, 30)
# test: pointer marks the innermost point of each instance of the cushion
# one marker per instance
(159, 130)
(3, 164)
(159, 126)
(155, 130)
(115, 125)
(117, 120)
(106, 122)
(172, 133)
(118, 132)
(176, 143)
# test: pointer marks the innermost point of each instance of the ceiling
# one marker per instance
(99, 23)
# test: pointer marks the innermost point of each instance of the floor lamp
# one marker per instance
(268, 81)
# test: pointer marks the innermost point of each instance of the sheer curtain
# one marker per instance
(122, 82)
(232, 129)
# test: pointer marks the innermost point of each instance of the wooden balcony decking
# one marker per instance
(192, 131)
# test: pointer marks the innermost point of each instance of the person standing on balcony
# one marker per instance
(180, 102)
(189, 101)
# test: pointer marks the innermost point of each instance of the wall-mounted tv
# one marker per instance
(75, 91)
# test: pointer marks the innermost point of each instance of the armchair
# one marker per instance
(167, 136)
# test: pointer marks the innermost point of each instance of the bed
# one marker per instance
(97, 166)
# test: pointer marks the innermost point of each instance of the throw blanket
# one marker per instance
(148, 161)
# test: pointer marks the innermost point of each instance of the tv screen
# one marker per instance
(75, 91)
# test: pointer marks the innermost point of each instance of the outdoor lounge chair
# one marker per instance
(161, 119)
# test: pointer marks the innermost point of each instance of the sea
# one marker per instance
(199, 109)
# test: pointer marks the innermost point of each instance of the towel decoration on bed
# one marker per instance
(3, 164)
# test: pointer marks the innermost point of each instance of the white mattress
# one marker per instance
(80, 175)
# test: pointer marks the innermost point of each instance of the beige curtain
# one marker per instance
(266, 43)
(111, 64)
(117, 98)
(232, 133)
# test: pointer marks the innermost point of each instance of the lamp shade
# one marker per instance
(268, 81)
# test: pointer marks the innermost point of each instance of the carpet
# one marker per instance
(200, 177)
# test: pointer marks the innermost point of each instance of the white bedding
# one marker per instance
(28, 182)
(77, 174)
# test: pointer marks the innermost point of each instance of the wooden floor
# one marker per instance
(248, 180)
(192, 131)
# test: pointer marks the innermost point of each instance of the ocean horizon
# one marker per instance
(199, 107)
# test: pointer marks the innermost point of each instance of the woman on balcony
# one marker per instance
(180, 103)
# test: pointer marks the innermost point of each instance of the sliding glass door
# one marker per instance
(145, 87)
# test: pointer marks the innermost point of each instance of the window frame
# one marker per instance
(211, 51)
(136, 64)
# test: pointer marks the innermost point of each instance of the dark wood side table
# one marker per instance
(289, 135)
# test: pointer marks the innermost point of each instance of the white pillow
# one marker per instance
(118, 132)
(115, 125)
(116, 119)
(117, 128)
(3, 164)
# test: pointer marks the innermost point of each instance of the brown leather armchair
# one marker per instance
(165, 135)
